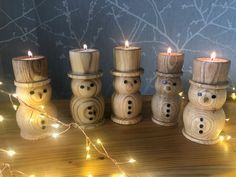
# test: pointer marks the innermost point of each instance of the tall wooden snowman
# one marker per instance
(34, 92)
(127, 100)
(204, 117)
(87, 104)
(166, 101)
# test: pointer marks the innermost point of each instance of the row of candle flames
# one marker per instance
(89, 143)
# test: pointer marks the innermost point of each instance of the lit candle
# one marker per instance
(84, 61)
(127, 58)
(211, 70)
(30, 68)
(170, 62)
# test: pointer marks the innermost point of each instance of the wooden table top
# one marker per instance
(159, 151)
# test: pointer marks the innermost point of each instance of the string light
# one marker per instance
(14, 107)
(88, 156)
(132, 160)
(1, 83)
(55, 135)
(99, 141)
(227, 119)
(1, 118)
(233, 96)
(55, 125)
(221, 138)
(11, 153)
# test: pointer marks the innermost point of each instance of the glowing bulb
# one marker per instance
(122, 175)
(85, 46)
(228, 137)
(88, 156)
(55, 135)
(99, 141)
(1, 83)
(30, 54)
(132, 160)
(213, 55)
(14, 107)
(90, 175)
(32, 176)
(169, 50)
(227, 119)
(221, 138)
(42, 106)
(11, 153)
(233, 96)
(14, 95)
(55, 125)
(126, 44)
(1, 118)
(233, 88)
(181, 93)
(87, 148)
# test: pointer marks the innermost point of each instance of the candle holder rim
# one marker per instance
(85, 75)
(225, 60)
(27, 58)
(32, 84)
(81, 50)
(123, 48)
(169, 74)
(217, 86)
(172, 53)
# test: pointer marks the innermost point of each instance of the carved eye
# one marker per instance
(125, 81)
(135, 81)
(45, 90)
(213, 96)
(31, 92)
(92, 85)
(199, 94)
(174, 84)
(164, 81)
(82, 87)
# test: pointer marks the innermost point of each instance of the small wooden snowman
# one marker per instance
(166, 101)
(204, 117)
(34, 92)
(127, 100)
(87, 104)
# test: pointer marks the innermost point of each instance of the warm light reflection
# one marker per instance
(1, 118)
(11, 152)
(132, 160)
(213, 55)
(126, 44)
(30, 54)
(233, 96)
(55, 135)
(169, 50)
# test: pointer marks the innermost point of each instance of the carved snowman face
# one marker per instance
(35, 95)
(168, 85)
(209, 99)
(126, 84)
(86, 88)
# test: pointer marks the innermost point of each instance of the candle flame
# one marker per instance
(30, 54)
(85, 46)
(213, 55)
(126, 44)
(169, 50)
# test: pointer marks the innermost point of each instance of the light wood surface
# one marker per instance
(159, 151)
(30, 69)
(211, 72)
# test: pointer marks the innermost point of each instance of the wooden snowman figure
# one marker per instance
(166, 101)
(204, 117)
(87, 104)
(34, 91)
(127, 100)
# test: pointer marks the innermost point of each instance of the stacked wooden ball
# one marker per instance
(204, 117)
(166, 101)
(127, 100)
(34, 92)
(87, 104)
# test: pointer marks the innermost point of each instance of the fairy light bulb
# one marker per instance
(30, 54)
(88, 156)
(169, 50)
(132, 160)
(55, 135)
(14, 95)
(1, 83)
(213, 56)
(11, 153)
(233, 96)
(32, 176)
(221, 138)
(87, 148)
(228, 137)
(99, 141)
(55, 125)
(14, 107)
(126, 44)
(85, 47)
(1, 118)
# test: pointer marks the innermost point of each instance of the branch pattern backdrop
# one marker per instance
(53, 27)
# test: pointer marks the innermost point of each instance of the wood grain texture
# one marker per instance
(203, 126)
(212, 73)
(30, 69)
(126, 59)
(170, 63)
(84, 61)
(159, 151)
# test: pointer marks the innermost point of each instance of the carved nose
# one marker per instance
(129, 86)
(40, 95)
(168, 88)
(205, 99)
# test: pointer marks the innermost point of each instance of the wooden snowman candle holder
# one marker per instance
(127, 100)
(166, 101)
(34, 91)
(87, 104)
(204, 117)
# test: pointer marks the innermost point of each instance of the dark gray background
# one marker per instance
(53, 27)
